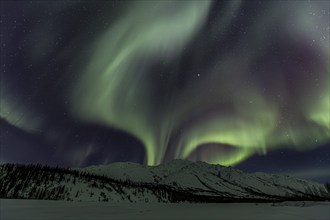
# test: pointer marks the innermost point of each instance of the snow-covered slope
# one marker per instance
(212, 180)
(177, 181)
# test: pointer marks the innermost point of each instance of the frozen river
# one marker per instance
(37, 209)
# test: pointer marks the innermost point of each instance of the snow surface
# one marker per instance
(43, 209)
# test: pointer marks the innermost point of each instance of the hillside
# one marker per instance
(177, 181)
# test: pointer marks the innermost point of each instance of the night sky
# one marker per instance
(240, 83)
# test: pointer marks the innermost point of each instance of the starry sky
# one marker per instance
(239, 83)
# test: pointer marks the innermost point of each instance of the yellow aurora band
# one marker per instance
(116, 88)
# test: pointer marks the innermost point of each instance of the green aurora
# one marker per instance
(222, 104)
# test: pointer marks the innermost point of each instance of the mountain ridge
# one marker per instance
(176, 181)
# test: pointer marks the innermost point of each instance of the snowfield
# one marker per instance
(43, 209)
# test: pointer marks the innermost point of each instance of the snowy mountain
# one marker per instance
(177, 181)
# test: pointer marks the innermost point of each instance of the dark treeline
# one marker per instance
(53, 183)
(44, 182)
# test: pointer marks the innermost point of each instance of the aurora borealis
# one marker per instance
(149, 81)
